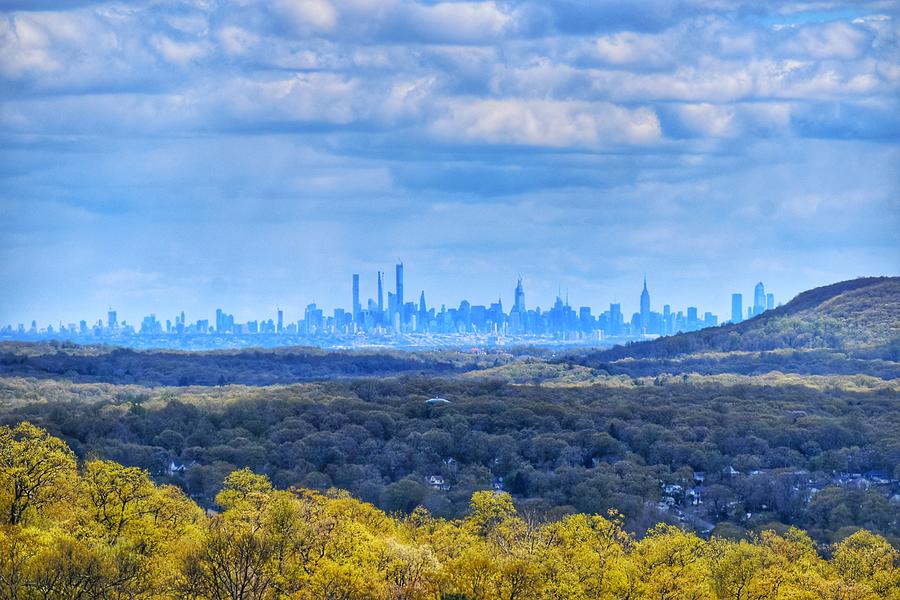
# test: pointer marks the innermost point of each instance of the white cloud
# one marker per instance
(306, 97)
(709, 120)
(308, 16)
(837, 40)
(462, 21)
(629, 48)
(179, 53)
(48, 42)
(237, 41)
(546, 123)
(24, 49)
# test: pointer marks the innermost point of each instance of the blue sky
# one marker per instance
(159, 156)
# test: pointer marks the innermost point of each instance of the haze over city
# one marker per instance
(159, 157)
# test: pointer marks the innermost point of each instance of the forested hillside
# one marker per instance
(726, 453)
(110, 364)
(96, 529)
(859, 318)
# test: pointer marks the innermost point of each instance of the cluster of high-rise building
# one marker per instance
(397, 316)
(761, 303)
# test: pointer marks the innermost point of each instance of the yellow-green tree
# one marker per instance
(669, 564)
(232, 561)
(133, 539)
(36, 470)
(869, 560)
(119, 497)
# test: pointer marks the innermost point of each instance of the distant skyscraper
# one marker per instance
(519, 304)
(615, 319)
(645, 308)
(380, 294)
(111, 320)
(280, 321)
(759, 299)
(422, 316)
(357, 308)
(399, 299)
(737, 308)
(667, 320)
(693, 321)
(770, 301)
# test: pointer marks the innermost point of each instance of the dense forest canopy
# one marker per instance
(96, 529)
(109, 364)
(773, 451)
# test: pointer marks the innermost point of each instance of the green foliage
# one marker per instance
(302, 545)
(558, 449)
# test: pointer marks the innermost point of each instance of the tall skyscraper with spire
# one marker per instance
(399, 296)
(422, 320)
(519, 303)
(380, 295)
(645, 308)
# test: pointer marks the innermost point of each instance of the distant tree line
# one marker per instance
(96, 364)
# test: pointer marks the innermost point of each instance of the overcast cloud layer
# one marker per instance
(159, 156)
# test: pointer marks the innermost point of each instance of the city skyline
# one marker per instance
(331, 294)
(396, 315)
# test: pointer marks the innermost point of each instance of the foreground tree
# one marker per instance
(36, 470)
(133, 539)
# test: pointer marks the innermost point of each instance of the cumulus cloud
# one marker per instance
(307, 16)
(630, 48)
(179, 53)
(842, 41)
(237, 41)
(38, 43)
(305, 97)
(546, 123)
(387, 127)
(457, 21)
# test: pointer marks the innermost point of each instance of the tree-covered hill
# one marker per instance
(859, 318)
(111, 364)
(776, 450)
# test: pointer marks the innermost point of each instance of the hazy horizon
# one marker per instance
(165, 156)
(294, 312)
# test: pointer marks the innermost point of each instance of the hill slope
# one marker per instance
(859, 317)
